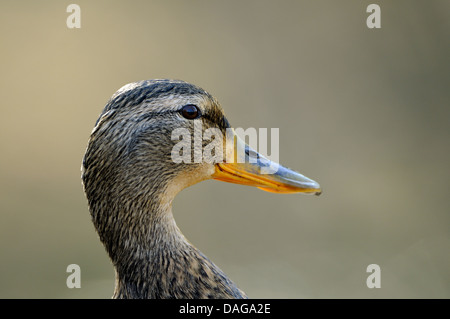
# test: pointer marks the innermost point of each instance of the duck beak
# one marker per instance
(245, 166)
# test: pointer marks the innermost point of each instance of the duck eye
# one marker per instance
(190, 111)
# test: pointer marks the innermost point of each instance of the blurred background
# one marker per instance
(365, 112)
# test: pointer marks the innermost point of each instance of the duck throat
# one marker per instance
(153, 259)
(148, 260)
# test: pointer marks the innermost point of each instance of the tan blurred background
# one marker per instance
(364, 112)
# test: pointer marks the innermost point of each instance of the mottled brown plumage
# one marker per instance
(130, 181)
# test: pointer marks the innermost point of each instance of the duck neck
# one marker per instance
(149, 247)
(153, 259)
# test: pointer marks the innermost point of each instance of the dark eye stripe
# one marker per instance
(190, 112)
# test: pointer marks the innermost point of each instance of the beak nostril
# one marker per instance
(251, 153)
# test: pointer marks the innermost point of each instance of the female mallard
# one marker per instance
(130, 179)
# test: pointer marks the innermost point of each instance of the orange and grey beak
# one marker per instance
(243, 165)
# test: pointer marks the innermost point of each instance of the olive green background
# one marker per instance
(365, 112)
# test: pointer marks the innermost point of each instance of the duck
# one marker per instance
(134, 166)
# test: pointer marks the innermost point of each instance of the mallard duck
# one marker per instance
(130, 179)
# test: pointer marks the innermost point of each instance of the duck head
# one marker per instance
(151, 135)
